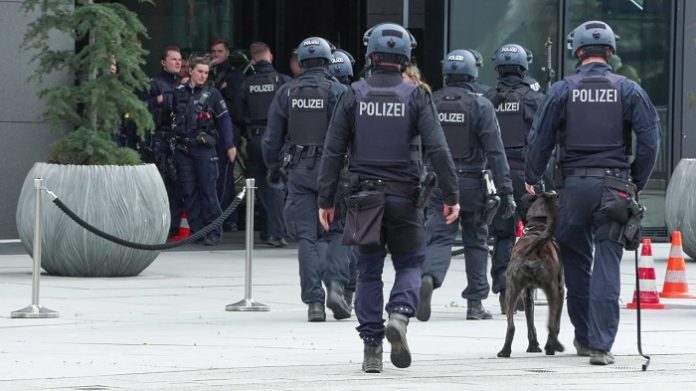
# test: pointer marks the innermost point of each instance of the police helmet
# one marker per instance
(341, 64)
(314, 48)
(389, 38)
(594, 33)
(461, 62)
(511, 55)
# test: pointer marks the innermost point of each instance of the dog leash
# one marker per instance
(640, 343)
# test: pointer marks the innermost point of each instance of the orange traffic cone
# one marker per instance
(675, 286)
(184, 229)
(646, 281)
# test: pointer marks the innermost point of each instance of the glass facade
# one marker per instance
(644, 54)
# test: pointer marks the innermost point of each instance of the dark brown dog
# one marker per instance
(535, 263)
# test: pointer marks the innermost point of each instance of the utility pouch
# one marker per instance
(491, 200)
(365, 211)
(620, 205)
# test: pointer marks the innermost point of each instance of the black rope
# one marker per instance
(152, 247)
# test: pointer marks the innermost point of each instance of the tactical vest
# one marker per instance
(594, 115)
(260, 90)
(509, 109)
(194, 115)
(383, 127)
(454, 109)
(308, 116)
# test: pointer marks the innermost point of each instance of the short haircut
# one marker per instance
(219, 41)
(193, 61)
(168, 49)
(257, 49)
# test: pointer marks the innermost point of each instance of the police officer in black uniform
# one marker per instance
(592, 113)
(473, 136)
(161, 145)
(258, 91)
(385, 123)
(202, 121)
(515, 100)
(292, 146)
(227, 79)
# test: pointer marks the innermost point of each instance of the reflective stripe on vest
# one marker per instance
(308, 116)
(454, 109)
(383, 129)
(594, 114)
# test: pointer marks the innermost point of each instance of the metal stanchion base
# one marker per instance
(34, 311)
(247, 305)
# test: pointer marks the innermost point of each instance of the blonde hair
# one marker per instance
(414, 74)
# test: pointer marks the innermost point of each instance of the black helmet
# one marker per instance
(511, 56)
(461, 62)
(314, 48)
(341, 64)
(389, 38)
(594, 34)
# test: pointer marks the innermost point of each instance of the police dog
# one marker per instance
(535, 263)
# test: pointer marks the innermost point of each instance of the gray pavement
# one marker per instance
(167, 330)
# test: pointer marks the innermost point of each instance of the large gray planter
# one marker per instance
(129, 202)
(680, 204)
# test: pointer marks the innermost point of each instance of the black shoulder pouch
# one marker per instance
(365, 211)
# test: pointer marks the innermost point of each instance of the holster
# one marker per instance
(425, 190)
(365, 211)
(620, 205)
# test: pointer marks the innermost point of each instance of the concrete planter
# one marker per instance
(125, 201)
(680, 204)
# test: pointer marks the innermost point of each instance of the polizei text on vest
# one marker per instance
(599, 95)
(382, 109)
(307, 103)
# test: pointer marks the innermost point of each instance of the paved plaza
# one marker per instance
(167, 329)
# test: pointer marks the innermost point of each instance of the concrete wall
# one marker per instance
(25, 138)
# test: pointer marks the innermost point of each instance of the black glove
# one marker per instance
(509, 206)
(273, 177)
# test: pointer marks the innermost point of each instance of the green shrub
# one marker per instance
(94, 105)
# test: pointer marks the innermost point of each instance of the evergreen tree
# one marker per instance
(94, 106)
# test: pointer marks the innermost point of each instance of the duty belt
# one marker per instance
(390, 187)
(469, 174)
(256, 130)
(599, 172)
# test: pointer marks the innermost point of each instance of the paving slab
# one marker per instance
(167, 329)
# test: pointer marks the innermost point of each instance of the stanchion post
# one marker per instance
(248, 304)
(34, 310)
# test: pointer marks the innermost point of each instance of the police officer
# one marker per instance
(592, 113)
(292, 146)
(227, 79)
(342, 66)
(385, 123)
(516, 100)
(201, 122)
(473, 136)
(161, 145)
(258, 91)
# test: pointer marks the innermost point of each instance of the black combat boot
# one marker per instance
(475, 310)
(372, 358)
(426, 295)
(396, 335)
(336, 301)
(315, 312)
